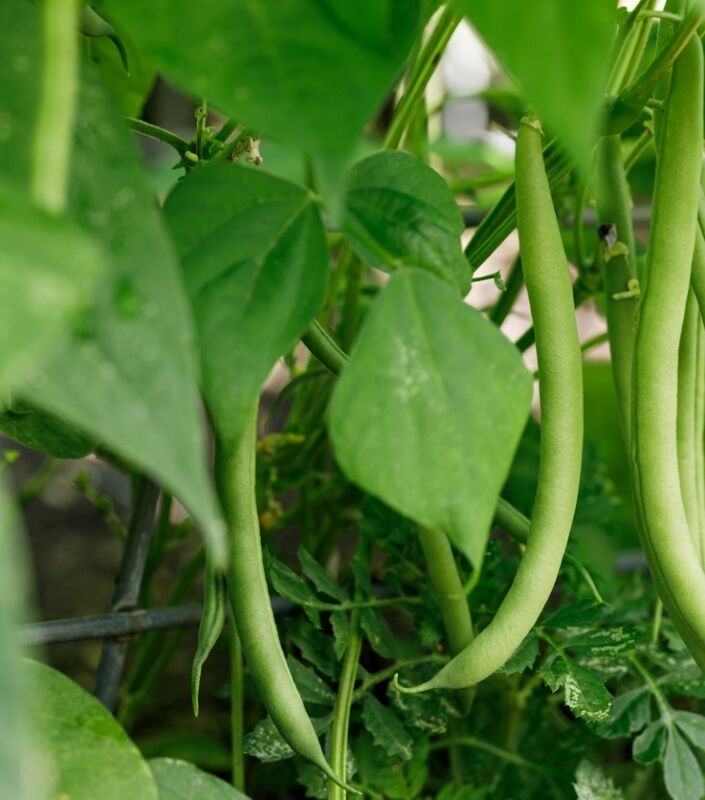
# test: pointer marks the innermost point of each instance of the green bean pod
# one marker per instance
(560, 369)
(664, 525)
(689, 427)
(251, 605)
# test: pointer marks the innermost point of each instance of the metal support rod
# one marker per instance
(104, 626)
(127, 589)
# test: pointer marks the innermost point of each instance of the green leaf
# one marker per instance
(88, 755)
(287, 584)
(583, 691)
(265, 743)
(557, 53)
(179, 780)
(255, 264)
(48, 266)
(308, 72)
(378, 633)
(430, 409)
(591, 783)
(44, 432)
(128, 375)
(398, 211)
(210, 628)
(603, 642)
(582, 612)
(316, 647)
(681, 771)
(692, 725)
(650, 744)
(312, 688)
(319, 577)
(386, 729)
(630, 712)
(16, 768)
(688, 681)
(426, 712)
(523, 658)
(340, 623)
(403, 781)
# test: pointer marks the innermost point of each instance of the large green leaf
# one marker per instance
(15, 775)
(86, 755)
(179, 780)
(128, 375)
(255, 265)
(44, 432)
(430, 409)
(557, 51)
(308, 72)
(398, 211)
(48, 268)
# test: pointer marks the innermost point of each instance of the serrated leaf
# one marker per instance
(398, 211)
(681, 771)
(265, 743)
(603, 642)
(523, 658)
(87, 753)
(179, 780)
(424, 712)
(583, 691)
(650, 744)
(306, 72)
(316, 647)
(312, 688)
(566, 84)
(128, 375)
(252, 251)
(429, 410)
(591, 783)
(692, 725)
(319, 577)
(630, 712)
(387, 730)
(340, 622)
(582, 612)
(313, 780)
(688, 681)
(378, 633)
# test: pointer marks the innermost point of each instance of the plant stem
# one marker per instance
(451, 596)
(637, 149)
(324, 348)
(59, 88)
(157, 133)
(341, 712)
(237, 709)
(388, 672)
(424, 68)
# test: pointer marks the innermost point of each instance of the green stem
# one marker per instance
(324, 347)
(229, 126)
(659, 696)
(237, 709)
(423, 70)
(59, 89)
(341, 712)
(157, 133)
(452, 599)
(389, 672)
(637, 149)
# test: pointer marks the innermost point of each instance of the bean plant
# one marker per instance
(438, 560)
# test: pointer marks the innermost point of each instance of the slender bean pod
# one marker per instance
(664, 293)
(251, 606)
(560, 366)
